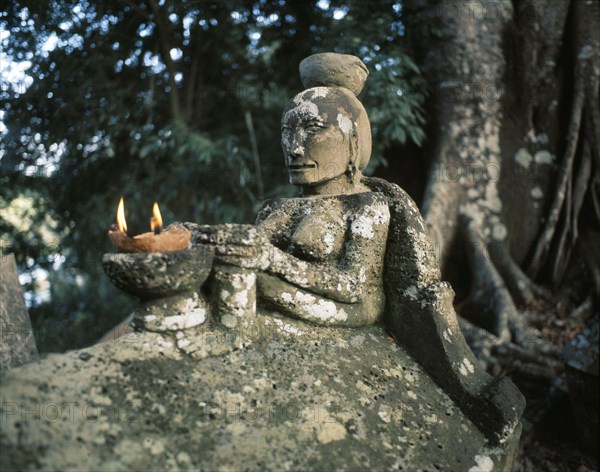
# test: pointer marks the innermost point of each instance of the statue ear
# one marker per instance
(354, 146)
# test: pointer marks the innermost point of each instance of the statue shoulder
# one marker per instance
(402, 206)
(270, 206)
(389, 189)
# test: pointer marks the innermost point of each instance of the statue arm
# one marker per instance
(344, 281)
(286, 298)
(338, 284)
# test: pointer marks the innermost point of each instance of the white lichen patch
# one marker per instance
(482, 464)
(244, 281)
(543, 157)
(292, 330)
(329, 241)
(224, 295)
(523, 158)
(305, 298)
(411, 377)
(344, 123)
(537, 193)
(241, 298)
(384, 415)
(363, 226)
(393, 373)
(427, 267)
(363, 387)
(184, 458)
(466, 367)
(492, 199)
(473, 193)
(411, 292)
(373, 215)
(193, 318)
(236, 428)
(319, 309)
(447, 334)
(330, 432)
(305, 106)
(432, 419)
(229, 321)
(326, 310)
(155, 446)
(499, 232)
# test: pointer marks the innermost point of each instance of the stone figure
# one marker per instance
(324, 251)
(350, 251)
(353, 250)
(294, 314)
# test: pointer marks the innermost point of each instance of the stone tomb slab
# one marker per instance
(17, 343)
(302, 398)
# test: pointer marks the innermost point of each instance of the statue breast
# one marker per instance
(318, 237)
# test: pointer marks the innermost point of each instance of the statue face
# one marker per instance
(316, 137)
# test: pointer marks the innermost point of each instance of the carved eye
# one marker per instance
(314, 127)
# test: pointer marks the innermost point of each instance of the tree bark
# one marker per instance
(512, 182)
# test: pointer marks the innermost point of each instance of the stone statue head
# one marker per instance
(325, 129)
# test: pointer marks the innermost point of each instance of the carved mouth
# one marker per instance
(301, 166)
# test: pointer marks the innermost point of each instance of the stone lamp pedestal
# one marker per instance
(233, 286)
(168, 285)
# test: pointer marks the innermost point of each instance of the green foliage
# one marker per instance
(150, 100)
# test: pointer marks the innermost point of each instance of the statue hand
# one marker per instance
(234, 244)
(248, 257)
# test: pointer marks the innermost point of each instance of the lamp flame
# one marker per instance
(121, 223)
(156, 221)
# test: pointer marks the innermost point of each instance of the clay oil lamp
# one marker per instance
(172, 239)
(162, 269)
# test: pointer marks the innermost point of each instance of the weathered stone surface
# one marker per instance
(299, 399)
(159, 274)
(17, 345)
(334, 70)
(167, 283)
(421, 316)
(350, 252)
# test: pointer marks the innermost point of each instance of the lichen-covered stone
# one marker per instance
(298, 399)
(17, 343)
(334, 70)
(350, 252)
(156, 275)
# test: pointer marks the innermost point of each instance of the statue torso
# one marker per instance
(314, 228)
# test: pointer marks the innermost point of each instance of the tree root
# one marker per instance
(521, 287)
(489, 301)
(543, 246)
(585, 108)
(540, 360)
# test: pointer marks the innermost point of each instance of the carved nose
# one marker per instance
(296, 149)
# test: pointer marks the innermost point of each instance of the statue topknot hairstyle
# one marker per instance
(345, 76)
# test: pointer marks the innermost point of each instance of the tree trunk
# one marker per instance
(513, 141)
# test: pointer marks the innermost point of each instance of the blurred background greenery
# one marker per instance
(173, 101)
